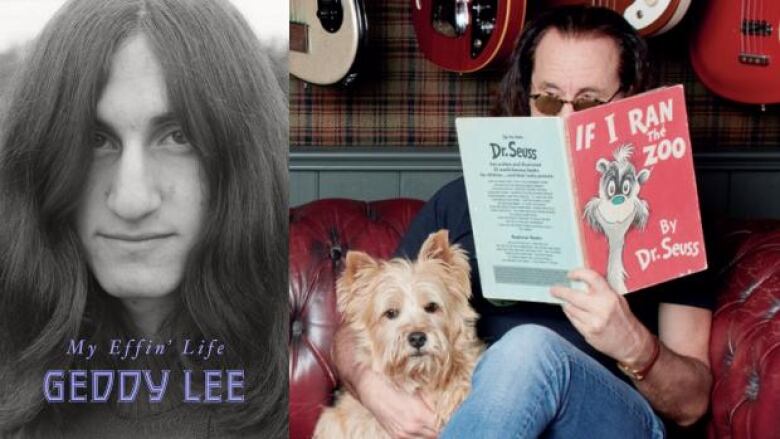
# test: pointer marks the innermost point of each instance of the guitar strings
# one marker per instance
(761, 15)
(742, 45)
(751, 41)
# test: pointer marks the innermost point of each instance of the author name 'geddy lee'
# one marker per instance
(98, 386)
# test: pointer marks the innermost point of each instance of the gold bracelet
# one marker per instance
(640, 374)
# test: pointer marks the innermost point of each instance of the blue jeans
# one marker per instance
(533, 383)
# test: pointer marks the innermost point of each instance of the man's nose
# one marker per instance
(566, 110)
(134, 192)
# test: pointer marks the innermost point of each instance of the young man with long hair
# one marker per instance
(143, 225)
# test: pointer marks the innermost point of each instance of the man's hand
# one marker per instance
(603, 317)
(402, 415)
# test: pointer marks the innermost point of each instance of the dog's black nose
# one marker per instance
(417, 339)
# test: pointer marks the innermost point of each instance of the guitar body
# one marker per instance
(648, 17)
(735, 50)
(467, 35)
(327, 38)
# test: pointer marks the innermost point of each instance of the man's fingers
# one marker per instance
(429, 433)
(424, 400)
(595, 281)
(577, 316)
(420, 431)
(575, 298)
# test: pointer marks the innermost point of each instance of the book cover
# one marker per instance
(521, 203)
(636, 189)
(143, 221)
(611, 188)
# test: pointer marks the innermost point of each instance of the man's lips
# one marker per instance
(134, 237)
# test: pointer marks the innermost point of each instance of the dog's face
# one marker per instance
(412, 318)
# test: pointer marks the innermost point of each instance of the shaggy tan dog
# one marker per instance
(414, 324)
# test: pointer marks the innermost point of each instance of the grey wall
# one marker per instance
(735, 184)
(369, 174)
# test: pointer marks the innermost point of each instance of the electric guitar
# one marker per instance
(649, 17)
(467, 35)
(735, 50)
(327, 39)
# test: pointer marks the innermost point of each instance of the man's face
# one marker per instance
(575, 68)
(142, 209)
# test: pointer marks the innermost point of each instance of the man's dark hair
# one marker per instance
(572, 21)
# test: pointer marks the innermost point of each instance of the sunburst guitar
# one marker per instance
(467, 35)
(735, 50)
(327, 40)
(648, 17)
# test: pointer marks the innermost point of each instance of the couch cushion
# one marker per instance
(745, 341)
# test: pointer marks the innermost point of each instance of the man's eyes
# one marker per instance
(100, 140)
(176, 136)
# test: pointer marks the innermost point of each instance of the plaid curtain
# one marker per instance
(401, 99)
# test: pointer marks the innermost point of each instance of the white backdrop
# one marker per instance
(21, 20)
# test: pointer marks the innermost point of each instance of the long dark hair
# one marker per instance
(222, 88)
(572, 21)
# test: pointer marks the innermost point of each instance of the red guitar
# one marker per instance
(649, 17)
(467, 35)
(735, 50)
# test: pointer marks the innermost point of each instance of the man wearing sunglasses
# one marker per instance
(602, 365)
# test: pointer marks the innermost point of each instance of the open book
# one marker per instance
(611, 188)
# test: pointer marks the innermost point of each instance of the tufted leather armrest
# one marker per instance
(321, 233)
(745, 339)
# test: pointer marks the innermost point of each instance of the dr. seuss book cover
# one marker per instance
(611, 188)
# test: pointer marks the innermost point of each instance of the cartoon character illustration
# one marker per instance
(617, 208)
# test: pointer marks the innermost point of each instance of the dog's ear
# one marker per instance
(358, 265)
(437, 247)
(357, 261)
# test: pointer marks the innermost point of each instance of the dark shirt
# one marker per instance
(448, 209)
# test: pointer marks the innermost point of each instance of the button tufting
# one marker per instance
(751, 392)
(773, 309)
(371, 213)
(747, 292)
(728, 359)
(336, 252)
(297, 328)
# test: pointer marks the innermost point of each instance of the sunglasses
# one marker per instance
(551, 105)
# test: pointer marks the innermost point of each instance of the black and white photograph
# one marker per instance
(143, 220)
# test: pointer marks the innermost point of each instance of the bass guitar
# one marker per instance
(467, 35)
(649, 17)
(735, 50)
(327, 39)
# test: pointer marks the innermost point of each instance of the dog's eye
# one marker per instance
(431, 307)
(391, 313)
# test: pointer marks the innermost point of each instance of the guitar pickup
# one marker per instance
(330, 14)
(761, 28)
(754, 59)
(484, 24)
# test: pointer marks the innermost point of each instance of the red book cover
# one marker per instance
(635, 189)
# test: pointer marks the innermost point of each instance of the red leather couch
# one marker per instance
(744, 348)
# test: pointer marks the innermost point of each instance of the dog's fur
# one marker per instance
(384, 303)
